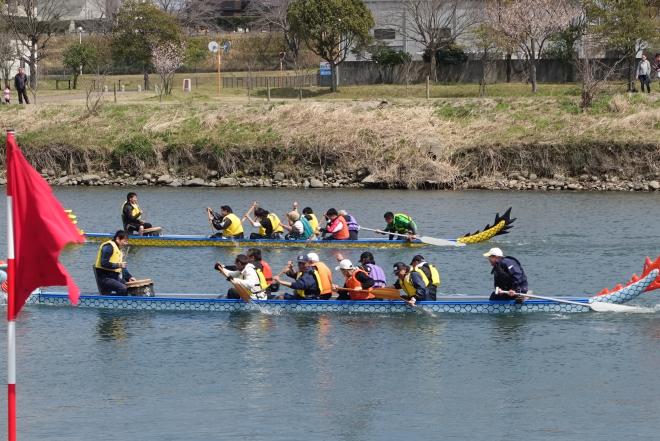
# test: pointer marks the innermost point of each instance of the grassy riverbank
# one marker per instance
(399, 140)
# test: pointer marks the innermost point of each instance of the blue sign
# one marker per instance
(324, 69)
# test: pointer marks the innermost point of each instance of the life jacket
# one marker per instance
(325, 276)
(401, 223)
(429, 274)
(352, 223)
(408, 286)
(301, 292)
(235, 227)
(341, 234)
(353, 283)
(275, 222)
(376, 273)
(263, 281)
(268, 272)
(116, 256)
(308, 230)
(135, 212)
(313, 221)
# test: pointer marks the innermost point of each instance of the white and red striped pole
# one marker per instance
(11, 323)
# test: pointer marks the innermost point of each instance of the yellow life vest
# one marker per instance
(117, 256)
(235, 227)
(135, 212)
(301, 292)
(314, 222)
(275, 222)
(435, 275)
(263, 283)
(408, 286)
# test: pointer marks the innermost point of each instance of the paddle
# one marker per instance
(243, 292)
(424, 239)
(209, 213)
(594, 306)
(247, 213)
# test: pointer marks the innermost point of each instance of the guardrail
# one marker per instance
(255, 82)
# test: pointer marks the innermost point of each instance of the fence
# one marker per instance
(292, 81)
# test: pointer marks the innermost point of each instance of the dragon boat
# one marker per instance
(500, 226)
(648, 281)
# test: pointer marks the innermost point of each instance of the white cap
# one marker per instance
(494, 252)
(345, 265)
(342, 212)
(313, 257)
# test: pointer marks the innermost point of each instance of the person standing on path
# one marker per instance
(644, 74)
(20, 83)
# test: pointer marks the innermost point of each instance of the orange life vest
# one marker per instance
(353, 283)
(268, 272)
(326, 277)
(342, 234)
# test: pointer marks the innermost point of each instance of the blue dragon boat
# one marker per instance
(649, 280)
(501, 225)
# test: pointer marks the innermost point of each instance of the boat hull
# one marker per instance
(202, 241)
(444, 304)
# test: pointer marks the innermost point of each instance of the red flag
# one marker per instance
(41, 229)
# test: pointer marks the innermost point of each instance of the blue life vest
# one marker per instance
(376, 273)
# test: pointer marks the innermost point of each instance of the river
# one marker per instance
(87, 374)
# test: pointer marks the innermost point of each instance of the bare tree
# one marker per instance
(33, 23)
(488, 43)
(528, 24)
(7, 56)
(436, 24)
(192, 14)
(272, 15)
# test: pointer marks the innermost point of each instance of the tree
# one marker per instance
(191, 14)
(387, 59)
(627, 26)
(196, 53)
(33, 23)
(487, 42)
(139, 27)
(331, 28)
(7, 56)
(167, 58)
(78, 56)
(435, 25)
(529, 24)
(272, 14)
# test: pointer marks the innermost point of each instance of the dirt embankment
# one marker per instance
(521, 143)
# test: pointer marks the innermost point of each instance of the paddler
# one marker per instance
(429, 273)
(307, 281)
(245, 274)
(226, 222)
(131, 217)
(268, 223)
(296, 228)
(353, 225)
(358, 284)
(368, 263)
(308, 214)
(325, 275)
(256, 259)
(401, 224)
(410, 282)
(509, 277)
(110, 268)
(337, 228)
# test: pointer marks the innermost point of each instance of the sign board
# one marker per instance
(324, 69)
(214, 46)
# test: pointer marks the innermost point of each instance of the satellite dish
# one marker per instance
(214, 46)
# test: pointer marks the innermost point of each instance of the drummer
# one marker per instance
(110, 268)
(132, 219)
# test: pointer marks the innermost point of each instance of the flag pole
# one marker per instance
(11, 319)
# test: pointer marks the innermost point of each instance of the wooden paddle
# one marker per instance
(387, 293)
(424, 239)
(138, 282)
(243, 292)
(594, 306)
(152, 230)
(247, 213)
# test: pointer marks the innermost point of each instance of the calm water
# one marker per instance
(85, 374)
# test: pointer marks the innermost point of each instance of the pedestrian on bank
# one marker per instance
(6, 95)
(20, 83)
(656, 66)
(644, 74)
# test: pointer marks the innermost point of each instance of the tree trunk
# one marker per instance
(631, 76)
(334, 77)
(532, 66)
(509, 68)
(75, 81)
(146, 79)
(434, 66)
(32, 66)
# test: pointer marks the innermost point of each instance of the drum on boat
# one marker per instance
(141, 288)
